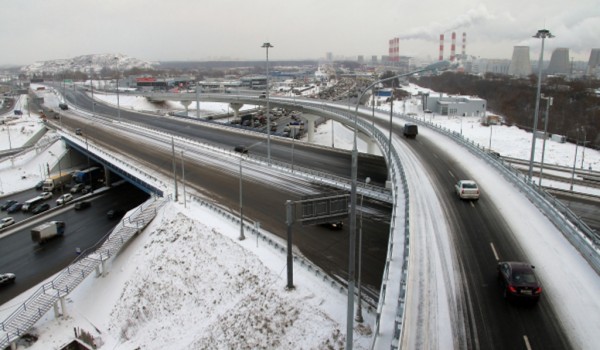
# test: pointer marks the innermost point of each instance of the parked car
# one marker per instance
(40, 208)
(518, 281)
(14, 208)
(82, 205)
(467, 189)
(77, 188)
(7, 278)
(46, 195)
(64, 199)
(7, 221)
(8, 204)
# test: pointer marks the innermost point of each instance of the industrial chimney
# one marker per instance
(441, 47)
(453, 47)
(464, 45)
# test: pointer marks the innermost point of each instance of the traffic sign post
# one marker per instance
(317, 209)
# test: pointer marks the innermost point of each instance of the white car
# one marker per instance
(77, 188)
(467, 189)
(67, 197)
(46, 195)
(7, 221)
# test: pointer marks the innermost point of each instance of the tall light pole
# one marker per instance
(352, 236)
(118, 105)
(92, 88)
(359, 317)
(267, 46)
(548, 104)
(543, 34)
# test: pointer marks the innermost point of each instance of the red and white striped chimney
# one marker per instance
(441, 47)
(464, 45)
(453, 47)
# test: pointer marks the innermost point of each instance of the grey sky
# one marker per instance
(36, 30)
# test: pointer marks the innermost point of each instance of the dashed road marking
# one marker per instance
(494, 251)
(527, 345)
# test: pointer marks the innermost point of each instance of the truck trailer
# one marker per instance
(56, 181)
(47, 230)
(88, 175)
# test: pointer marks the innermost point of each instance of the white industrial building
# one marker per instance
(454, 105)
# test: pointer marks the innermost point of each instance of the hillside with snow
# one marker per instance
(96, 62)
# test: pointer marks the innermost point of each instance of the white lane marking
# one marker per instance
(494, 251)
(454, 177)
(527, 345)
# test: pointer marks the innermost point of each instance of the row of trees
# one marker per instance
(575, 111)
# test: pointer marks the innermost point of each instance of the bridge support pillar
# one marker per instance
(13, 345)
(369, 141)
(103, 268)
(97, 270)
(106, 176)
(186, 104)
(63, 306)
(311, 126)
(236, 106)
(56, 311)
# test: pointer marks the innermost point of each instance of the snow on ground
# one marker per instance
(187, 282)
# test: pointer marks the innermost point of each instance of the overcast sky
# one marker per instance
(160, 30)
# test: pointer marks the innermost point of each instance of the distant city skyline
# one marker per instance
(191, 30)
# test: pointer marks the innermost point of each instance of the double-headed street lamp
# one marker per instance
(441, 65)
(267, 46)
(543, 34)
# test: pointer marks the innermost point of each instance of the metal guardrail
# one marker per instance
(575, 230)
(42, 300)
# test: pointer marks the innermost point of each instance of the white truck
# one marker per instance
(47, 230)
(57, 181)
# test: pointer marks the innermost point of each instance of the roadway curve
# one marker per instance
(487, 322)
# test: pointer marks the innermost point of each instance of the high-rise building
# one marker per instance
(520, 64)
(374, 59)
(329, 57)
(559, 62)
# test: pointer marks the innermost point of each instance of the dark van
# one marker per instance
(410, 130)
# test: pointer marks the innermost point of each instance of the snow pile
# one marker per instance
(213, 294)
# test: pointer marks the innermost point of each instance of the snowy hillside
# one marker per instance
(84, 63)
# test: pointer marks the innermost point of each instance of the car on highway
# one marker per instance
(40, 208)
(8, 204)
(39, 185)
(46, 195)
(241, 149)
(64, 199)
(518, 281)
(115, 213)
(78, 131)
(77, 188)
(6, 278)
(87, 189)
(14, 208)
(7, 221)
(467, 189)
(82, 205)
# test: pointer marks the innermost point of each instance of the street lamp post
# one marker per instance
(359, 317)
(242, 236)
(118, 104)
(267, 46)
(548, 104)
(92, 88)
(543, 34)
(354, 172)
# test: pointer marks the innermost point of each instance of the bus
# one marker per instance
(30, 204)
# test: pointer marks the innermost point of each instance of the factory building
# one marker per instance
(454, 105)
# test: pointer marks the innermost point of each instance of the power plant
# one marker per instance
(559, 62)
(520, 64)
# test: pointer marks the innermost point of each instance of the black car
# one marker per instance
(8, 204)
(241, 149)
(7, 278)
(115, 214)
(39, 185)
(82, 205)
(40, 208)
(14, 208)
(518, 281)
